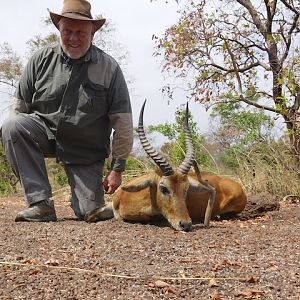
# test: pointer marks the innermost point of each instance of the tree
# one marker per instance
(10, 66)
(239, 51)
(237, 127)
(175, 145)
(237, 131)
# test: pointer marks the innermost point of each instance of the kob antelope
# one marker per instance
(179, 195)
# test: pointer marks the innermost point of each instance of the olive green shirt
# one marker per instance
(81, 102)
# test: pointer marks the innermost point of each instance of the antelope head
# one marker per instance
(170, 185)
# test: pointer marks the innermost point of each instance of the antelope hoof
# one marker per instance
(99, 214)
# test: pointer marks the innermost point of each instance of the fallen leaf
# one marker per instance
(181, 273)
(166, 287)
(215, 296)
(250, 294)
(251, 279)
(214, 246)
(30, 261)
(213, 282)
(224, 263)
(272, 269)
(170, 290)
(161, 284)
(34, 271)
(52, 262)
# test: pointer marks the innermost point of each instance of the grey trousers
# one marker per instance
(26, 145)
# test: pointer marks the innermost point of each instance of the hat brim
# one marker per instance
(57, 17)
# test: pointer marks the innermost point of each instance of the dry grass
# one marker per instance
(270, 170)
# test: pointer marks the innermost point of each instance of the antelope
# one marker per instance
(180, 196)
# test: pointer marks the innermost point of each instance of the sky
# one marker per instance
(135, 21)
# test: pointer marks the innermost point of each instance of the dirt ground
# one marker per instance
(256, 256)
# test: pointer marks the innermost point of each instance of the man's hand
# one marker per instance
(112, 181)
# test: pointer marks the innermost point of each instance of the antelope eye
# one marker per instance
(164, 190)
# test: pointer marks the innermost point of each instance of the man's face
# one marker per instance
(75, 36)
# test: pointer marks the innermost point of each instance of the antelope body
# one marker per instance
(230, 198)
(181, 199)
(181, 196)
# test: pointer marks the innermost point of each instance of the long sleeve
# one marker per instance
(25, 89)
(121, 119)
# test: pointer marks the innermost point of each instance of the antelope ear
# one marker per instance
(136, 186)
(195, 186)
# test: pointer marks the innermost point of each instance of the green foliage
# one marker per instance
(134, 164)
(5, 188)
(170, 131)
(39, 42)
(56, 174)
(250, 153)
(8, 180)
(175, 146)
(243, 126)
(10, 65)
(229, 159)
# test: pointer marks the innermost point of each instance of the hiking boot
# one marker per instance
(42, 211)
(99, 214)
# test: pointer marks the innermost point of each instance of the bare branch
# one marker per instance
(257, 105)
(289, 39)
(8, 83)
(234, 67)
(257, 21)
(290, 7)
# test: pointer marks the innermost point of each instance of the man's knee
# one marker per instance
(12, 128)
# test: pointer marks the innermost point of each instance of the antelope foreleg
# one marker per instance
(212, 197)
(210, 204)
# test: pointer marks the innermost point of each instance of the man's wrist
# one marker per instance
(115, 171)
(118, 165)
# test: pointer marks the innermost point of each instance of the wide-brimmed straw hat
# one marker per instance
(78, 10)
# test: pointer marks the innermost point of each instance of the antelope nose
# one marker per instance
(185, 226)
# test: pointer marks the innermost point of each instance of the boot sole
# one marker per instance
(50, 218)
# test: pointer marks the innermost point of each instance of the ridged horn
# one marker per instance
(189, 156)
(157, 158)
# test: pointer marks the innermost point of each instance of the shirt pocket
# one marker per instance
(93, 99)
(48, 94)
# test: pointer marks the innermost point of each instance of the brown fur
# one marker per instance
(186, 200)
(230, 197)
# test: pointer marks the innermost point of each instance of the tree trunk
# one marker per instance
(293, 128)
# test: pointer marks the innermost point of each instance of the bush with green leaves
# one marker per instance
(8, 180)
(175, 146)
(56, 172)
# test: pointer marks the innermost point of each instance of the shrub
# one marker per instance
(8, 180)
